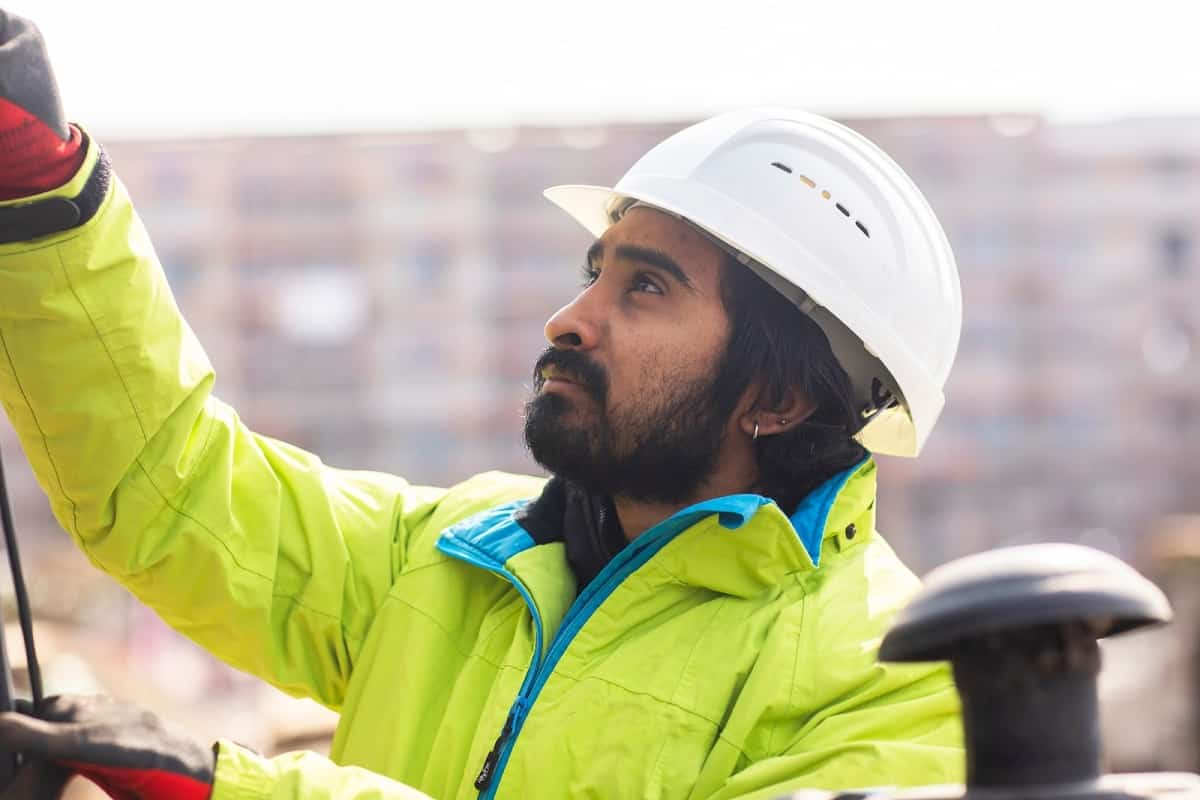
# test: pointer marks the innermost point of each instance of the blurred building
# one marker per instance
(1074, 407)
(380, 300)
(1151, 682)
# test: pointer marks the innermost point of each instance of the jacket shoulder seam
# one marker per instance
(745, 756)
(649, 695)
(228, 551)
(454, 640)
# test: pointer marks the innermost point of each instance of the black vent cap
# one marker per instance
(1019, 587)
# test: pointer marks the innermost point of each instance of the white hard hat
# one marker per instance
(829, 220)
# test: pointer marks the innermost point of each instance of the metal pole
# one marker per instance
(10, 761)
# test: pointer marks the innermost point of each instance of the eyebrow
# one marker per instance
(645, 255)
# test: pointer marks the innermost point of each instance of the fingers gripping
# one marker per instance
(37, 738)
(124, 749)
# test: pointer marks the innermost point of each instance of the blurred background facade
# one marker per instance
(379, 299)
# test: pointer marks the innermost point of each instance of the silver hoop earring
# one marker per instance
(755, 436)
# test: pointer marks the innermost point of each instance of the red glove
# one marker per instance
(39, 151)
(126, 751)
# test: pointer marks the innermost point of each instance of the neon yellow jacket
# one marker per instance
(727, 652)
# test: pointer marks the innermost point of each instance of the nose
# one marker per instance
(577, 325)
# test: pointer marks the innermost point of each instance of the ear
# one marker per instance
(776, 418)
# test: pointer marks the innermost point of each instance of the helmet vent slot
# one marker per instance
(810, 183)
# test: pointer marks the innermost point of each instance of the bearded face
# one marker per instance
(625, 399)
(659, 445)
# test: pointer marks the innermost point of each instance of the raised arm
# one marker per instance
(255, 549)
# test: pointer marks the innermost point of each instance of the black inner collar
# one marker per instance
(585, 523)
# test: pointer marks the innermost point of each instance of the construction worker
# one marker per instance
(689, 608)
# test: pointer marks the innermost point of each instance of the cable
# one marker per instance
(14, 562)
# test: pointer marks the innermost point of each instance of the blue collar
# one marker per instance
(497, 535)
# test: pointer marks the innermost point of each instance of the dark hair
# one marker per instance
(774, 342)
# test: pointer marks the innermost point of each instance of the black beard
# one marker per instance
(659, 453)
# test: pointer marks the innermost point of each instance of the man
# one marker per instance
(689, 608)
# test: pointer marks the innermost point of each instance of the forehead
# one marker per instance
(646, 227)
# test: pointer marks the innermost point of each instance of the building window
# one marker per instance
(1175, 247)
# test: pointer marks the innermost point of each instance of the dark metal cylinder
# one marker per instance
(1030, 706)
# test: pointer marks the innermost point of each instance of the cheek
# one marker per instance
(671, 351)
(694, 343)
(656, 370)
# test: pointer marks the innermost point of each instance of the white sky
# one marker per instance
(156, 67)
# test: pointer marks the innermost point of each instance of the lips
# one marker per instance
(560, 383)
(570, 368)
(552, 374)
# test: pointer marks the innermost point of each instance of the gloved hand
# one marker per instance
(126, 751)
(39, 151)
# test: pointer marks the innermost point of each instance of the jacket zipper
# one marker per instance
(484, 779)
(614, 573)
(464, 551)
(593, 595)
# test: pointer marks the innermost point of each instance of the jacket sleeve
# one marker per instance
(253, 548)
(243, 775)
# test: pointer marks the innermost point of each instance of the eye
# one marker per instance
(642, 282)
(589, 275)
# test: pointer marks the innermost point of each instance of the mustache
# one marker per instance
(576, 366)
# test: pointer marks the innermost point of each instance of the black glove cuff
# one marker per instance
(57, 214)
